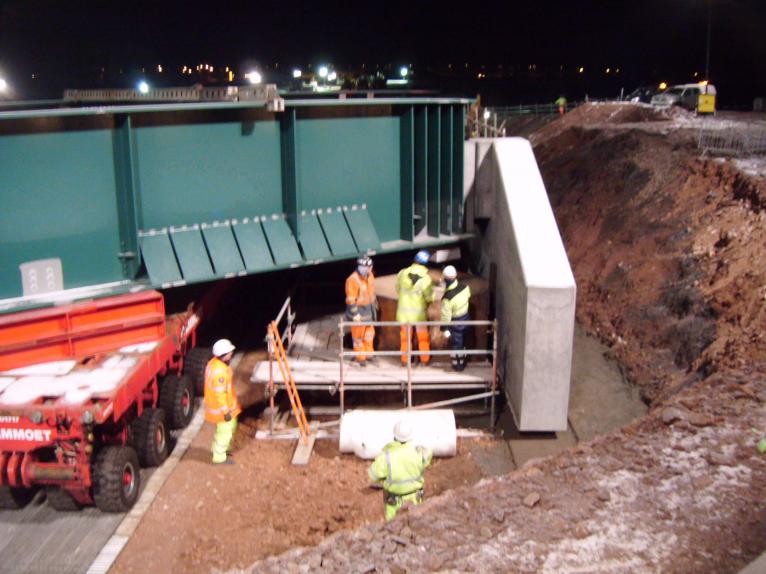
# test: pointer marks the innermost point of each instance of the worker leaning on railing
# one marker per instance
(455, 304)
(221, 404)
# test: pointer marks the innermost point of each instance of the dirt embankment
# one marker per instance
(668, 253)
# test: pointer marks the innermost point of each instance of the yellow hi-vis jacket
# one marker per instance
(401, 466)
(455, 302)
(219, 392)
(415, 289)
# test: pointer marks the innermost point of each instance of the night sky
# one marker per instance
(66, 44)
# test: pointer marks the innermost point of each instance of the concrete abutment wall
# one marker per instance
(518, 248)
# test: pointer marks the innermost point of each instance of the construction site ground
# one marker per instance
(667, 248)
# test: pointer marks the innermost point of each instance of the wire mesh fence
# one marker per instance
(736, 141)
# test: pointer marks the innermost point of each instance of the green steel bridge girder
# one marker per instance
(191, 192)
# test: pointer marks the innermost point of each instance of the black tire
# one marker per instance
(195, 363)
(12, 498)
(116, 478)
(150, 437)
(177, 400)
(61, 500)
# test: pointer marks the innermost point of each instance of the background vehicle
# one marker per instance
(642, 94)
(698, 97)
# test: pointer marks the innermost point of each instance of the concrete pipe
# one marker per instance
(366, 432)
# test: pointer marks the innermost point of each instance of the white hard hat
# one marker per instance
(403, 431)
(222, 347)
(450, 272)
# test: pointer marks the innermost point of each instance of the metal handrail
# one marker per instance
(342, 325)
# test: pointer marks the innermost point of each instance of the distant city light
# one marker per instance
(486, 114)
(332, 76)
(297, 73)
(403, 71)
(143, 87)
(159, 68)
(3, 85)
(581, 70)
(254, 77)
(323, 72)
(231, 76)
(608, 70)
(663, 86)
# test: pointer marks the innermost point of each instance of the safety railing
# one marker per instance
(410, 353)
(740, 141)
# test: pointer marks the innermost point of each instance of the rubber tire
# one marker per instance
(109, 468)
(144, 438)
(195, 363)
(61, 500)
(12, 498)
(177, 400)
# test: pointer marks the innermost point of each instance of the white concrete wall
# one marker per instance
(519, 249)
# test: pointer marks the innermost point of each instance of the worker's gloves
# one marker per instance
(447, 334)
(357, 317)
(227, 417)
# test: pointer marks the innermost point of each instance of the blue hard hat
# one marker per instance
(422, 256)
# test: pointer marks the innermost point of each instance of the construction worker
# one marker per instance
(361, 305)
(221, 404)
(415, 289)
(400, 467)
(561, 102)
(455, 302)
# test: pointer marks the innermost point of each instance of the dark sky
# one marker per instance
(73, 39)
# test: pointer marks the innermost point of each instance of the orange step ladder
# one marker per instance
(292, 390)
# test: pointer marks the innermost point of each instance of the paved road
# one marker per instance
(41, 540)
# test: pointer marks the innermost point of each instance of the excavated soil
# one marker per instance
(668, 250)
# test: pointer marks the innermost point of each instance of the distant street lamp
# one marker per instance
(297, 73)
(3, 85)
(323, 72)
(403, 71)
(254, 77)
(143, 87)
(332, 76)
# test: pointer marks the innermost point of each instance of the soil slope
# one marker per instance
(668, 253)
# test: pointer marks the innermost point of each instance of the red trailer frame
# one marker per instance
(90, 452)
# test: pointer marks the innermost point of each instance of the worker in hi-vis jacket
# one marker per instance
(415, 289)
(221, 404)
(455, 303)
(362, 305)
(399, 468)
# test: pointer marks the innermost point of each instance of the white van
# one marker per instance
(688, 96)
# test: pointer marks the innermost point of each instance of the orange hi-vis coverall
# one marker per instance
(361, 302)
(220, 400)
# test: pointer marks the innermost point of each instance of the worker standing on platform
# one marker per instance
(561, 102)
(221, 404)
(455, 303)
(400, 467)
(362, 305)
(415, 289)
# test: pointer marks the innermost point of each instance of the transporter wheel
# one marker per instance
(150, 437)
(116, 478)
(12, 498)
(195, 363)
(177, 400)
(61, 500)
